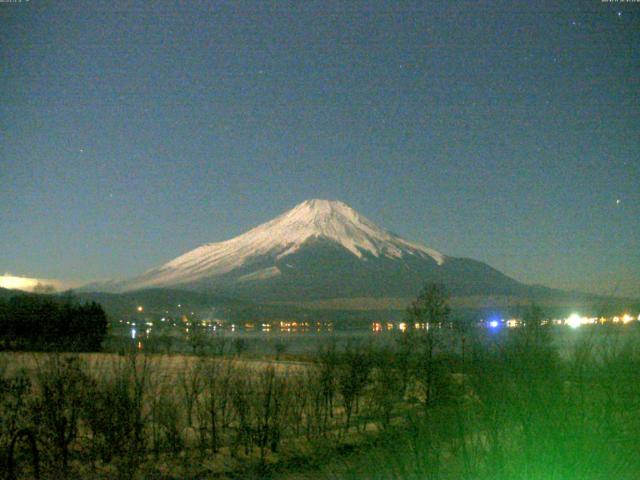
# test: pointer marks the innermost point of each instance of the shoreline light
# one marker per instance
(574, 320)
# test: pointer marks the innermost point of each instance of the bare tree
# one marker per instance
(212, 407)
(190, 380)
(430, 310)
(218, 344)
(197, 338)
(387, 386)
(353, 375)
(280, 347)
(115, 413)
(299, 400)
(241, 395)
(240, 345)
(61, 384)
(327, 364)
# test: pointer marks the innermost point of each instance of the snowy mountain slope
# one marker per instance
(319, 249)
(278, 238)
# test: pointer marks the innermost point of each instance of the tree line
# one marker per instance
(45, 322)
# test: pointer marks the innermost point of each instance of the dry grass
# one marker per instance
(518, 401)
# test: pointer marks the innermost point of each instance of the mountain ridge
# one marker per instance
(319, 249)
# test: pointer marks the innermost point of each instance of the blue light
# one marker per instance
(494, 323)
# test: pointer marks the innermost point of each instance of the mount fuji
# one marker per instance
(320, 249)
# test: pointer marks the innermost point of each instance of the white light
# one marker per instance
(574, 320)
(493, 323)
(133, 333)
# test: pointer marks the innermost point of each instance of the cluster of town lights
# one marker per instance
(495, 324)
(574, 321)
(186, 323)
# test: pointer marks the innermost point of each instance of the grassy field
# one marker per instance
(518, 404)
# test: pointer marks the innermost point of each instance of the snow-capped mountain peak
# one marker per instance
(335, 220)
(286, 234)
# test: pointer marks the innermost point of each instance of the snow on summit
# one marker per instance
(282, 236)
(339, 222)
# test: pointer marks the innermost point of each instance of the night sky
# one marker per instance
(508, 132)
